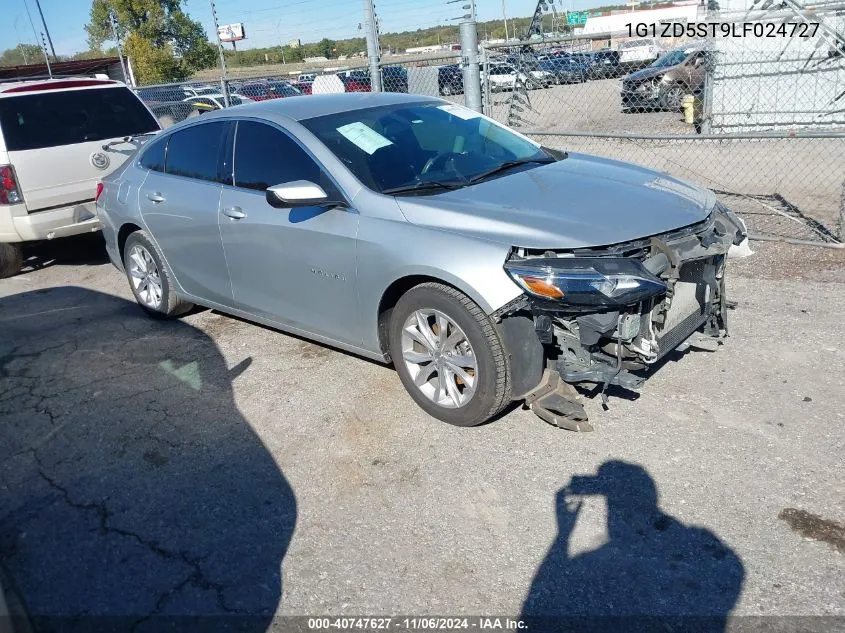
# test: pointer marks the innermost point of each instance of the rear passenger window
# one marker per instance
(153, 156)
(194, 152)
(264, 157)
(65, 117)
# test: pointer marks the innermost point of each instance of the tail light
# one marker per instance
(98, 192)
(9, 191)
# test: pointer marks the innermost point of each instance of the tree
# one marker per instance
(171, 46)
(153, 64)
(22, 54)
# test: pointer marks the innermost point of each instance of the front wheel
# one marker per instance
(672, 98)
(448, 355)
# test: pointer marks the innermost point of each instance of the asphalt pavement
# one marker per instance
(215, 467)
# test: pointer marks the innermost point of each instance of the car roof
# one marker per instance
(17, 88)
(310, 106)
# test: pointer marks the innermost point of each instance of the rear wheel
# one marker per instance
(446, 90)
(149, 279)
(449, 355)
(11, 259)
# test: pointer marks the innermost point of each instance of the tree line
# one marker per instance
(165, 44)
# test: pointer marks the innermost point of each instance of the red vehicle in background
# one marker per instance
(266, 90)
(304, 82)
(356, 80)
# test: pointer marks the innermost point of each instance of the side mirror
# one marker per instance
(299, 193)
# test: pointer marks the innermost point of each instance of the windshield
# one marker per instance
(672, 58)
(408, 145)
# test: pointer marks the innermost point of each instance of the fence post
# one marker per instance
(373, 50)
(487, 95)
(469, 50)
(224, 86)
(707, 96)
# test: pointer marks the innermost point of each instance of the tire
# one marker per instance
(672, 98)
(154, 291)
(446, 90)
(531, 85)
(11, 259)
(475, 340)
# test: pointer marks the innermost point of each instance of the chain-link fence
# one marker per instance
(758, 119)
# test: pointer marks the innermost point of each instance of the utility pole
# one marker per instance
(46, 30)
(224, 85)
(116, 36)
(373, 50)
(46, 57)
(505, 17)
(35, 33)
(469, 53)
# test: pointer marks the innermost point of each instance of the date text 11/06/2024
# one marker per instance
(424, 623)
(723, 29)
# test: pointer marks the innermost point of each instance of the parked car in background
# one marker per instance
(197, 91)
(640, 51)
(505, 77)
(450, 80)
(663, 83)
(304, 82)
(394, 79)
(564, 70)
(211, 102)
(161, 94)
(606, 63)
(58, 138)
(355, 80)
(264, 90)
(412, 230)
(171, 112)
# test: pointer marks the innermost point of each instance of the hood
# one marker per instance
(648, 72)
(581, 201)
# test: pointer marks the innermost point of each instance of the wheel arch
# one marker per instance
(123, 234)
(398, 287)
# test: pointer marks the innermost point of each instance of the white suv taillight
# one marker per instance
(98, 192)
(9, 192)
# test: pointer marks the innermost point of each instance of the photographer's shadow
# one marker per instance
(652, 575)
(135, 496)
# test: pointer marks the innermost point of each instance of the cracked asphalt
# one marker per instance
(209, 466)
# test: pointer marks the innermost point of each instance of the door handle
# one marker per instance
(155, 197)
(234, 212)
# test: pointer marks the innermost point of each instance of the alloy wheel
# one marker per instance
(145, 277)
(439, 358)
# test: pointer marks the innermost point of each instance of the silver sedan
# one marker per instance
(487, 267)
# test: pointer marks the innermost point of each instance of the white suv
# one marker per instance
(58, 139)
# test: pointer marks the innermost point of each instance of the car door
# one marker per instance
(180, 207)
(296, 265)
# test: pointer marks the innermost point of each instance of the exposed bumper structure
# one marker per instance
(617, 344)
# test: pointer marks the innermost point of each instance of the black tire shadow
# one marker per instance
(654, 574)
(135, 495)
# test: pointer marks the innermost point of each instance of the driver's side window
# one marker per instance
(265, 156)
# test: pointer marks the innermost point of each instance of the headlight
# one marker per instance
(586, 281)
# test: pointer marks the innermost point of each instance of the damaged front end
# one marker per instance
(604, 316)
